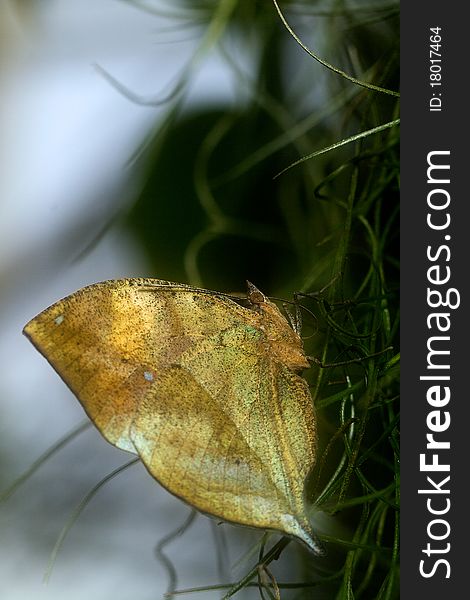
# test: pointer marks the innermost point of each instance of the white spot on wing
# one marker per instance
(58, 320)
(148, 376)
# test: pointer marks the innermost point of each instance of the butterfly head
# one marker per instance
(285, 343)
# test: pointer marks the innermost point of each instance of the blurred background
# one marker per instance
(143, 139)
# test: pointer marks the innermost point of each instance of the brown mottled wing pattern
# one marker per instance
(108, 340)
(186, 379)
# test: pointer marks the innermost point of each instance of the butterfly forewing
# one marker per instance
(202, 388)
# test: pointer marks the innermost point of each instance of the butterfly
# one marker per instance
(203, 386)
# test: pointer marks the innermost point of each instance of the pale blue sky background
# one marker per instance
(65, 142)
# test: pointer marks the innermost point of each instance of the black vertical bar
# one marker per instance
(435, 241)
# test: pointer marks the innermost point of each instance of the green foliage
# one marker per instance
(212, 213)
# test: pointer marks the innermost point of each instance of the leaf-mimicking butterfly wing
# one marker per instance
(203, 387)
